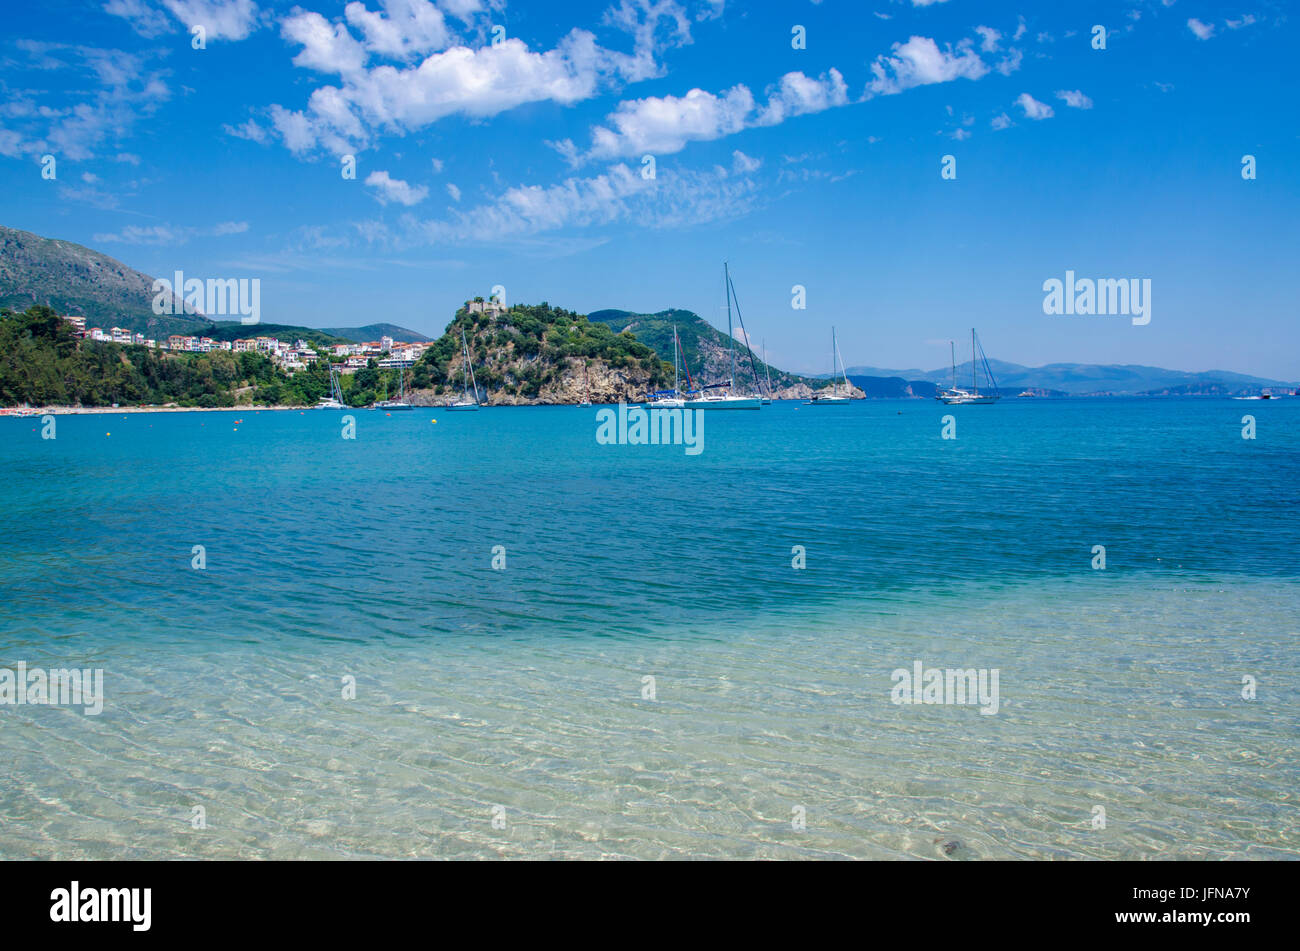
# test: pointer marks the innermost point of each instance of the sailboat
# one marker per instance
(399, 403)
(335, 399)
(671, 399)
(727, 400)
(468, 404)
(955, 395)
(830, 397)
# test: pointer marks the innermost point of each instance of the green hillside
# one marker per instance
(706, 348)
(73, 279)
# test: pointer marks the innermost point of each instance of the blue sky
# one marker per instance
(502, 142)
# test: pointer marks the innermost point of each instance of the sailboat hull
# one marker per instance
(726, 402)
(462, 408)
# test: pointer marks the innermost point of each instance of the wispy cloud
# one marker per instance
(167, 234)
(1033, 108)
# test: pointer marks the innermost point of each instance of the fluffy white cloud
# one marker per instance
(797, 94)
(455, 80)
(389, 189)
(1002, 121)
(665, 124)
(1033, 108)
(453, 191)
(405, 28)
(1203, 31)
(1074, 99)
(920, 62)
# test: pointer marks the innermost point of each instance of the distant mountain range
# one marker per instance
(1084, 379)
(77, 280)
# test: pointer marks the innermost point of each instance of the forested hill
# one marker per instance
(539, 354)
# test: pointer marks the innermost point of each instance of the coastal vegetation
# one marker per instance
(533, 351)
(42, 363)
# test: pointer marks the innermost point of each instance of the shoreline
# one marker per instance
(20, 412)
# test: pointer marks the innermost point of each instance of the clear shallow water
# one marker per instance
(522, 688)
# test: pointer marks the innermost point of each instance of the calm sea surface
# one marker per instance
(649, 676)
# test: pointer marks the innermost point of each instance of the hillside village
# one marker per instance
(289, 356)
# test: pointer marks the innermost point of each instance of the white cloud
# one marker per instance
(170, 234)
(220, 19)
(797, 94)
(406, 27)
(1011, 62)
(1000, 122)
(249, 130)
(109, 91)
(456, 80)
(920, 62)
(989, 38)
(743, 164)
(1074, 99)
(674, 198)
(1246, 20)
(1021, 29)
(1033, 108)
(453, 191)
(1203, 31)
(663, 125)
(389, 189)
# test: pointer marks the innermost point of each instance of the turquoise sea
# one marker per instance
(648, 676)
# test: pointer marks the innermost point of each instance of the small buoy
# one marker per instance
(433, 420)
(108, 434)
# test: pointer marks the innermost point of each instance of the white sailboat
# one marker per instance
(830, 397)
(335, 399)
(468, 404)
(399, 403)
(673, 399)
(955, 395)
(728, 399)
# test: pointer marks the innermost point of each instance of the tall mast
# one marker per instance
(676, 375)
(834, 347)
(974, 383)
(726, 274)
(953, 345)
